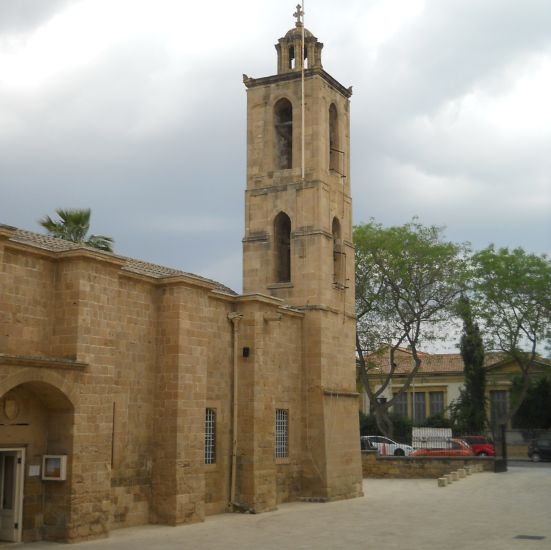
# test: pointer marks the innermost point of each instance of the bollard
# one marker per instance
(461, 472)
(455, 476)
(442, 481)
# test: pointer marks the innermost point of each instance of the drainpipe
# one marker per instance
(234, 317)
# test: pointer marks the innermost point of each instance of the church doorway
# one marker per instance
(11, 493)
(36, 422)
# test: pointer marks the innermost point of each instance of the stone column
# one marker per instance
(256, 469)
(178, 485)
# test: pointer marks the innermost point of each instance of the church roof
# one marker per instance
(53, 244)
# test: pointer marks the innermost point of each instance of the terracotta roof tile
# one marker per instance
(430, 362)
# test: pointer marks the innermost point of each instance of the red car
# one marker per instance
(457, 447)
(480, 445)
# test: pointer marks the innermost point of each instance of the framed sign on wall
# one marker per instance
(54, 467)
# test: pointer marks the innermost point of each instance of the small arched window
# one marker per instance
(338, 254)
(334, 148)
(283, 120)
(282, 242)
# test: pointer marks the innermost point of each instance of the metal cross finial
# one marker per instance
(299, 14)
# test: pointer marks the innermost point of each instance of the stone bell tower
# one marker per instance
(298, 244)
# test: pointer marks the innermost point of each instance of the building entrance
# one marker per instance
(11, 493)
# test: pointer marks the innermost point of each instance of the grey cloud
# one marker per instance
(23, 15)
(154, 142)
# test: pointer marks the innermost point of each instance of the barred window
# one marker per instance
(282, 433)
(210, 436)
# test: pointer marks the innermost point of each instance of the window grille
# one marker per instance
(210, 436)
(282, 433)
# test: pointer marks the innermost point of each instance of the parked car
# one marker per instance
(366, 445)
(457, 447)
(480, 444)
(386, 446)
(540, 448)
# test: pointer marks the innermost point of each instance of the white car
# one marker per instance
(386, 446)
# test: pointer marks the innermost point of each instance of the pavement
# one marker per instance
(485, 510)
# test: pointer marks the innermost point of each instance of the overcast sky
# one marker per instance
(136, 109)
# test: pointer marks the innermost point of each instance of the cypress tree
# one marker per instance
(473, 396)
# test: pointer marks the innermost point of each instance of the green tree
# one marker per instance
(511, 295)
(468, 413)
(407, 281)
(73, 225)
(534, 413)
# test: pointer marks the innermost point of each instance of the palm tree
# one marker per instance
(73, 226)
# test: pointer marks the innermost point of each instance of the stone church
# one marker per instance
(131, 393)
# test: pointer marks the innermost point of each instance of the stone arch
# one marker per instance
(38, 413)
(282, 247)
(283, 134)
(48, 380)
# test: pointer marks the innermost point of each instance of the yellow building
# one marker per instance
(439, 380)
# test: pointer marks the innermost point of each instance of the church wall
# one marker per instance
(179, 410)
(96, 346)
(269, 379)
(134, 380)
(286, 349)
(145, 360)
(218, 397)
(26, 283)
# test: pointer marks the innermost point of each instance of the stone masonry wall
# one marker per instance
(403, 467)
(115, 370)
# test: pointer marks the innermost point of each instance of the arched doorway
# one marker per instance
(36, 421)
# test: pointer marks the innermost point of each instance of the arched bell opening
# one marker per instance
(335, 152)
(283, 134)
(282, 248)
(338, 255)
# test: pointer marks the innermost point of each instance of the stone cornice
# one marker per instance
(41, 361)
(340, 393)
(259, 297)
(287, 77)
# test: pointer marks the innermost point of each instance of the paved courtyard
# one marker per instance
(484, 510)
